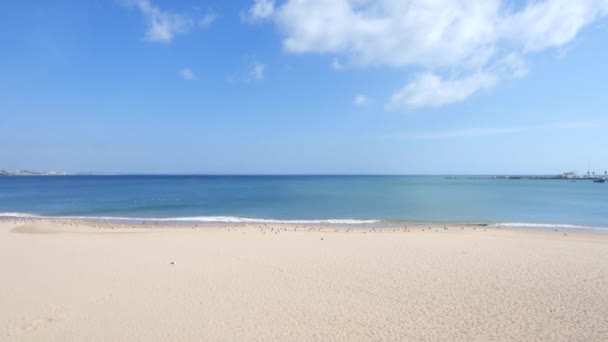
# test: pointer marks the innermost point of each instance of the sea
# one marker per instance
(541, 203)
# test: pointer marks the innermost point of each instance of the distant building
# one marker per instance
(570, 175)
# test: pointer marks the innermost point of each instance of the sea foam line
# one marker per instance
(545, 225)
(235, 219)
(22, 215)
(207, 219)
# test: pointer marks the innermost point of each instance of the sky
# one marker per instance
(304, 86)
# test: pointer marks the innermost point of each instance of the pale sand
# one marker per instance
(61, 282)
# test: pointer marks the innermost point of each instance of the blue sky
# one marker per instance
(296, 86)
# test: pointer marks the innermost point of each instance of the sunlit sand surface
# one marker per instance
(74, 281)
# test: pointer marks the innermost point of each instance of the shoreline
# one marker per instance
(225, 221)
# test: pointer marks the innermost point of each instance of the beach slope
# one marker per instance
(69, 281)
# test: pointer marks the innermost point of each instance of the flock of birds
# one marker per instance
(264, 228)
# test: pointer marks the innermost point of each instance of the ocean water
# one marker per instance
(339, 199)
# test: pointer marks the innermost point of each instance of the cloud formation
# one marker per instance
(254, 72)
(461, 47)
(361, 100)
(428, 89)
(207, 19)
(164, 25)
(257, 71)
(187, 74)
(261, 9)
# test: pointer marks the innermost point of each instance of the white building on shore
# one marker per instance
(570, 175)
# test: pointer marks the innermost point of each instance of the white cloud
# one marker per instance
(552, 23)
(492, 131)
(336, 64)
(257, 71)
(261, 9)
(470, 43)
(207, 19)
(361, 100)
(164, 25)
(187, 74)
(431, 90)
(254, 71)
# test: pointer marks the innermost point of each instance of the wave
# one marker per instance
(204, 219)
(545, 225)
(236, 219)
(22, 215)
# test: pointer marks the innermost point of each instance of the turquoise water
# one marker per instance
(342, 198)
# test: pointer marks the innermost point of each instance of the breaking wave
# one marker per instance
(204, 219)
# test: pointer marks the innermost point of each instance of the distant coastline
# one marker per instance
(33, 173)
(557, 177)
(572, 176)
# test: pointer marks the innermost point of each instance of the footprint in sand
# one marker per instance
(39, 323)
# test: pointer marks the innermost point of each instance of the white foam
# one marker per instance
(236, 219)
(18, 215)
(545, 225)
(207, 219)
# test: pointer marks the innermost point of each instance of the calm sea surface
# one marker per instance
(343, 198)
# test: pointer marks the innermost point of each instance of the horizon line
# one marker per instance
(87, 173)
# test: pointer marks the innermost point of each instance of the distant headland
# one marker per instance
(33, 173)
(566, 175)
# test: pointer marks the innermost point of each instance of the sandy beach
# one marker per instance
(78, 281)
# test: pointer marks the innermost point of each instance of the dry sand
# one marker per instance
(77, 282)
